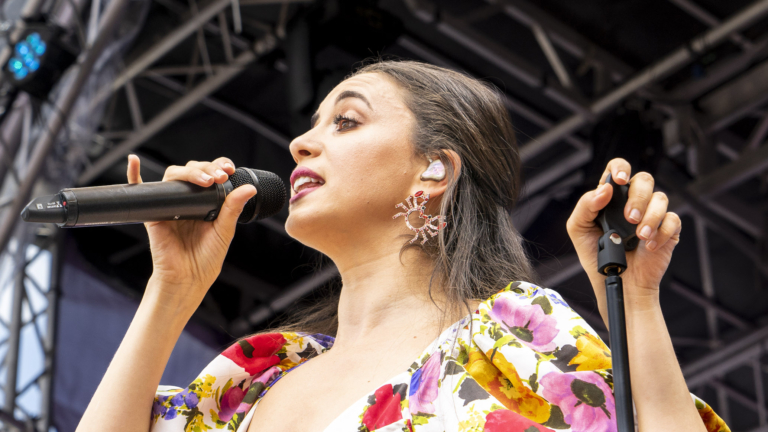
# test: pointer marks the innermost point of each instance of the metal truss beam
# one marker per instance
(509, 62)
(709, 304)
(751, 163)
(649, 75)
(169, 42)
(720, 72)
(563, 36)
(736, 99)
(56, 121)
(293, 293)
(707, 18)
(727, 358)
(167, 116)
(242, 117)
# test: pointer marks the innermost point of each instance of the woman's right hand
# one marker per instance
(187, 255)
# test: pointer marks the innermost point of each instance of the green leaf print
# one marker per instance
(543, 301)
(556, 419)
(247, 348)
(533, 383)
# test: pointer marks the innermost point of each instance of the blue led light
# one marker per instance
(22, 48)
(39, 48)
(34, 38)
(27, 58)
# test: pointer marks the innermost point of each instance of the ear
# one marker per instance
(435, 189)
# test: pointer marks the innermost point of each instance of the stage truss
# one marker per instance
(735, 87)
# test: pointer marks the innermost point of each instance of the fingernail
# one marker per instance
(645, 232)
(622, 175)
(635, 215)
(651, 245)
(600, 190)
(220, 173)
(205, 177)
(228, 165)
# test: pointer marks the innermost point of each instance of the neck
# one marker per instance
(384, 296)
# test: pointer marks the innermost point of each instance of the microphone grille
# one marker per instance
(270, 199)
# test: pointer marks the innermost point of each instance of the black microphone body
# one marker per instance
(157, 201)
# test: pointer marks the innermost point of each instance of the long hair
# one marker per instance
(480, 251)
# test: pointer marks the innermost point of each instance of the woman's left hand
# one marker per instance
(658, 229)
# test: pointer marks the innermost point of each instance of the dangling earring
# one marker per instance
(413, 206)
(435, 170)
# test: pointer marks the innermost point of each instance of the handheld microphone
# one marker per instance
(157, 201)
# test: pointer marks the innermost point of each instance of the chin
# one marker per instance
(304, 223)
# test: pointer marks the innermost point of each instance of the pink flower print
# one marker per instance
(528, 323)
(585, 399)
(230, 402)
(423, 389)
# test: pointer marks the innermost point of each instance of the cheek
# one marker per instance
(380, 172)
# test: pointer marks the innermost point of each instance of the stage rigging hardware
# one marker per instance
(619, 237)
(40, 57)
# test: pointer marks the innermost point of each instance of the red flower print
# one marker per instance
(507, 421)
(230, 401)
(256, 353)
(385, 410)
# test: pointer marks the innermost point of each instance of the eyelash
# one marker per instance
(340, 118)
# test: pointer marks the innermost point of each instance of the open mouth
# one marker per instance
(306, 182)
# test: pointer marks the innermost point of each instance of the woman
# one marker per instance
(442, 331)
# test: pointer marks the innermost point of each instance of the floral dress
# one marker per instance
(527, 363)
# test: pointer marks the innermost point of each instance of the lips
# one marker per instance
(304, 181)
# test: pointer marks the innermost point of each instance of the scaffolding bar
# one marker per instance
(69, 96)
(649, 75)
(170, 114)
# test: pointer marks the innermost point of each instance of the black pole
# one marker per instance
(618, 238)
(622, 387)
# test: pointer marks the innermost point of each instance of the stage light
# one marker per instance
(39, 59)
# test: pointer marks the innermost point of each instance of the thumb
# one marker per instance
(583, 217)
(226, 223)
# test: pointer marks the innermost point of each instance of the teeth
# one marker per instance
(303, 180)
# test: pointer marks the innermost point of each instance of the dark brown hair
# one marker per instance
(480, 251)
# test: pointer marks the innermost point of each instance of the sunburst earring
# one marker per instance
(428, 227)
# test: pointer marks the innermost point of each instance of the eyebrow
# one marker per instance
(345, 94)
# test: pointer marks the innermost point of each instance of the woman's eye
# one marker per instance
(344, 122)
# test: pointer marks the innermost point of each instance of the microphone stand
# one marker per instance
(619, 237)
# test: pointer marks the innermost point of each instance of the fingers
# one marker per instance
(583, 217)
(639, 197)
(134, 172)
(619, 169)
(226, 222)
(668, 231)
(654, 214)
(201, 173)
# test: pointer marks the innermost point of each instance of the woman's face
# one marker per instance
(360, 146)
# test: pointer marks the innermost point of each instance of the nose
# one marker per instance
(304, 146)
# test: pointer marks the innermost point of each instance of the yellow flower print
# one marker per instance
(473, 422)
(500, 379)
(593, 354)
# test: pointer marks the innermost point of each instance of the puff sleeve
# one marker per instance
(224, 392)
(539, 358)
